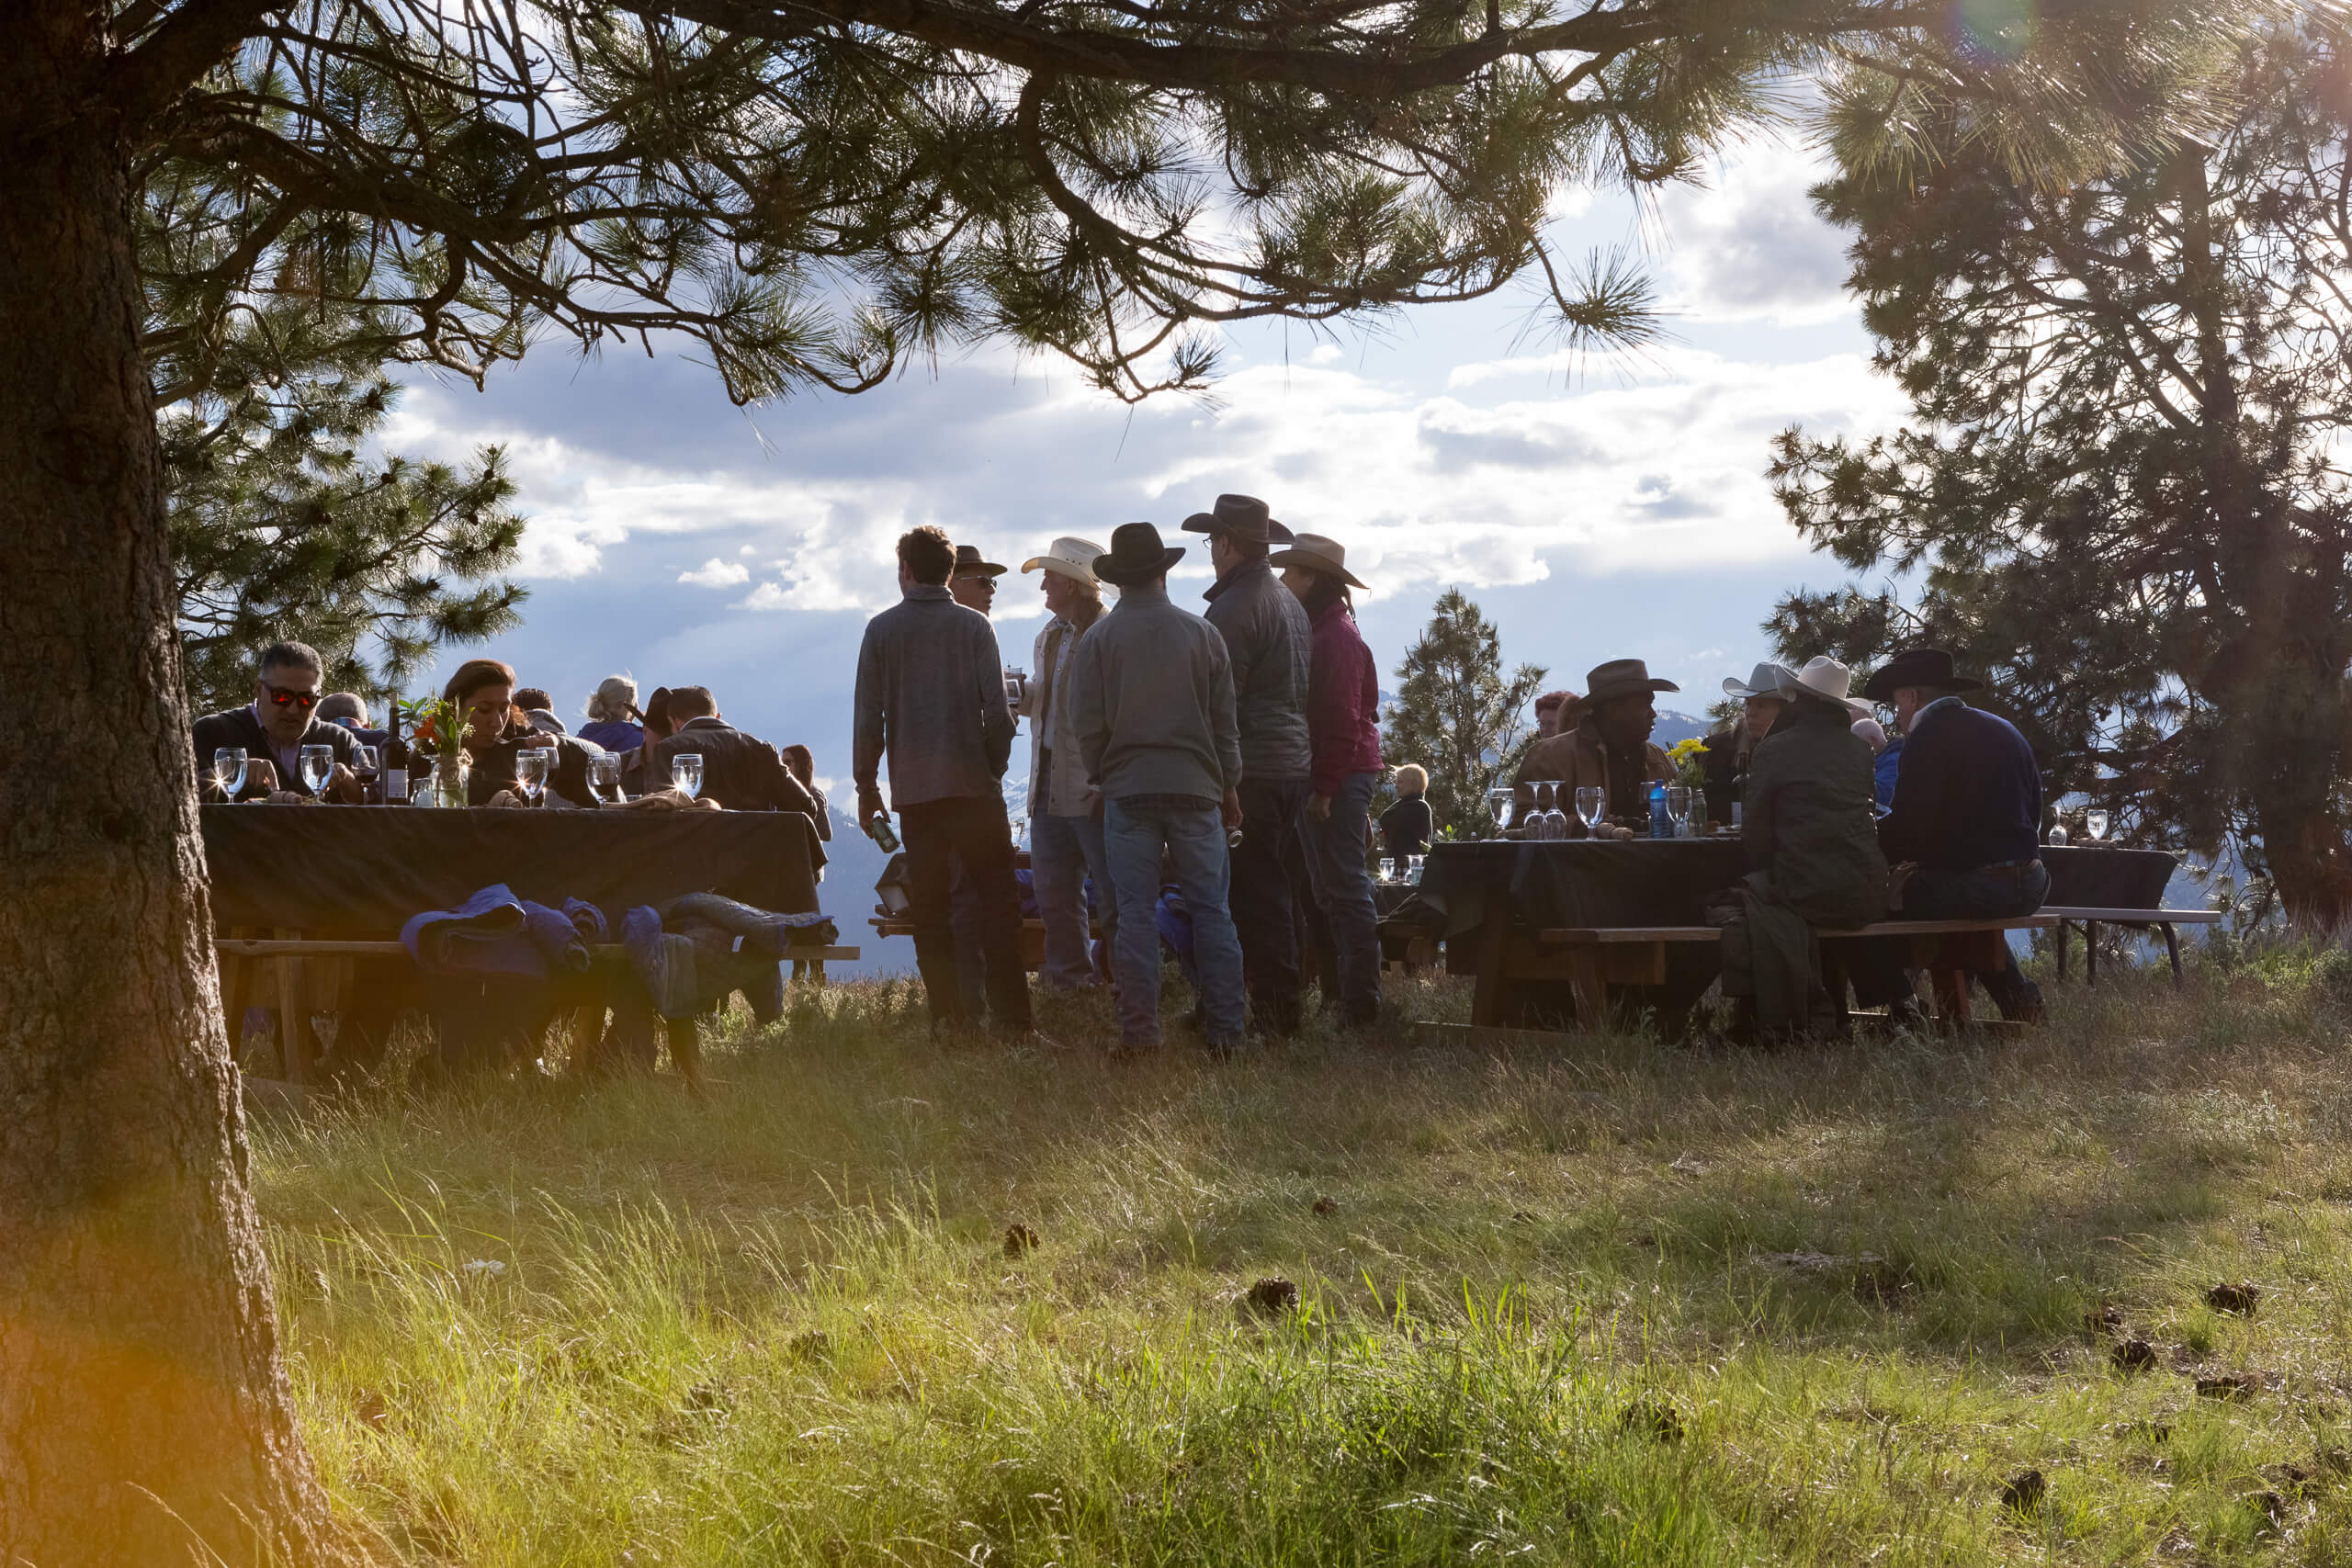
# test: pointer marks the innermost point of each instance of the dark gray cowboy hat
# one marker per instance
(1916, 667)
(1620, 677)
(1137, 556)
(970, 564)
(1239, 517)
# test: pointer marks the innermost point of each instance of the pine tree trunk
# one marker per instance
(142, 1402)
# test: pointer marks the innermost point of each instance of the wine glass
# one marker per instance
(366, 761)
(2057, 834)
(1592, 804)
(229, 770)
(1413, 864)
(604, 775)
(1498, 801)
(685, 772)
(1539, 826)
(317, 766)
(1387, 868)
(531, 770)
(2095, 823)
(1677, 808)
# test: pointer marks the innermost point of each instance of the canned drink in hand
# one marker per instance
(1233, 838)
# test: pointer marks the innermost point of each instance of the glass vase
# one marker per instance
(449, 780)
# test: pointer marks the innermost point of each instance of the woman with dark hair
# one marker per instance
(497, 732)
(1344, 770)
(802, 765)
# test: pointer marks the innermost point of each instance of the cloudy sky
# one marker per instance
(1595, 511)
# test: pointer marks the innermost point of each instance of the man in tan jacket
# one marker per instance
(1607, 746)
(1065, 826)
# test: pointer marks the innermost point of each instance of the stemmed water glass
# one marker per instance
(685, 772)
(605, 776)
(2095, 823)
(1592, 804)
(531, 772)
(2057, 833)
(317, 766)
(1539, 822)
(1677, 808)
(1413, 864)
(1387, 868)
(1498, 801)
(229, 770)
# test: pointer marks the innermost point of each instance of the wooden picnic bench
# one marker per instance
(1592, 958)
(307, 976)
(1032, 937)
(2091, 919)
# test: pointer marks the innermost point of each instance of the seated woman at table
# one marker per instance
(1811, 837)
(1605, 744)
(609, 713)
(497, 733)
(1406, 827)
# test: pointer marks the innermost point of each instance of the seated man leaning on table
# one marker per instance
(1963, 831)
(741, 771)
(497, 733)
(273, 729)
(1605, 743)
(1811, 838)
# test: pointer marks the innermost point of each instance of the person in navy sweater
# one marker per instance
(1967, 810)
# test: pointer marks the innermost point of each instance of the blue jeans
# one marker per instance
(1334, 868)
(1985, 896)
(1063, 852)
(1193, 839)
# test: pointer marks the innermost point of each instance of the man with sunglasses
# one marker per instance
(272, 731)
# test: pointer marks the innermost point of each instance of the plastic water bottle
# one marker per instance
(1661, 825)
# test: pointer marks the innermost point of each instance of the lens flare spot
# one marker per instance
(1995, 29)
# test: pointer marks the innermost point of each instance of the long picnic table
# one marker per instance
(318, 893)
(1524, 918)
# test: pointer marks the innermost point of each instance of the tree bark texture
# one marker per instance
(143, 1407)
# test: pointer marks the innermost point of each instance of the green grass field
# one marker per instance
(1617, 1302)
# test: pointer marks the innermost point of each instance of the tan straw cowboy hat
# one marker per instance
(1316, 553)
(1069, 555)
(1825, 678)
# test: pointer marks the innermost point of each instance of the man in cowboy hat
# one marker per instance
(930, 697)
(1607, 746)
(973, 585)
(1810, 833)
(1343, 725)
(1065, 828)
(1267, 639)
(1967, 810)
(1155, 722)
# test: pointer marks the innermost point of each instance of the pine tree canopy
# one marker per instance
(2123, 489)
(1459, 715)
(816, 192)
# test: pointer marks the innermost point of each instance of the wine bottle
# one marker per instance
(395, 763)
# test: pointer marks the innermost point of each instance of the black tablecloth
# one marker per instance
(360, 872)
(2088, 877)
(1580, 881)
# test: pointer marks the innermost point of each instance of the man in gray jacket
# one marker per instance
(931, 694)
(1267, 637)
(1155, 725)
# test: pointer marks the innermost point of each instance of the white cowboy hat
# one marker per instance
(1764, 680)
(1316, 553)
(1070, 556)
(1825, 677)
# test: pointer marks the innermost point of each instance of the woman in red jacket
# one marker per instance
(1343, 728)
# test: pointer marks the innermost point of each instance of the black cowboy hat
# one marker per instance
(1916, 667)
(1620, 677)
(1137, 556)
(970, 564)
(1239, 517)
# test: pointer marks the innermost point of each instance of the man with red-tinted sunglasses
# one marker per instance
(272, 731)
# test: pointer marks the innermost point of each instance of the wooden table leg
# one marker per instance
(2172, 951)
(685, 1052)
(1588, 984)
(1954, 1003)
(2090, 952)
(293, 1013)
(1494, 951)
(2060, 936)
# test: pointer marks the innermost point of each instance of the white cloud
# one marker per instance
(1746, 245)
(717, 573)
